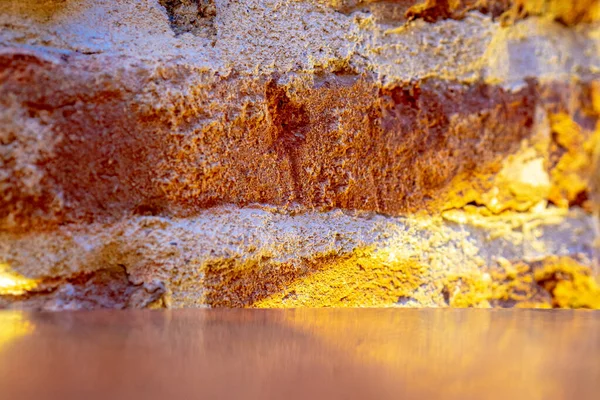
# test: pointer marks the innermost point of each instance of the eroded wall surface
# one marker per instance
(269, 153)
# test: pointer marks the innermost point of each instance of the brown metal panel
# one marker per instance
(301, 354)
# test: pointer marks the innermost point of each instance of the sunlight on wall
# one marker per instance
(12, 283)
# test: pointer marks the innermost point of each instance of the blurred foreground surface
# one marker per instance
(301, 354)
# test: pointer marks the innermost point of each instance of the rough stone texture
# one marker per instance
(254, 257)
(344, 144)
(121, 120)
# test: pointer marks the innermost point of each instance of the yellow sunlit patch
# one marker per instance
(12, 283)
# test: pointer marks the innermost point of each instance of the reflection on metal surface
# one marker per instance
(13, 324)
(299, 354)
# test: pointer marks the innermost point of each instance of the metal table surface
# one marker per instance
(301, 354)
